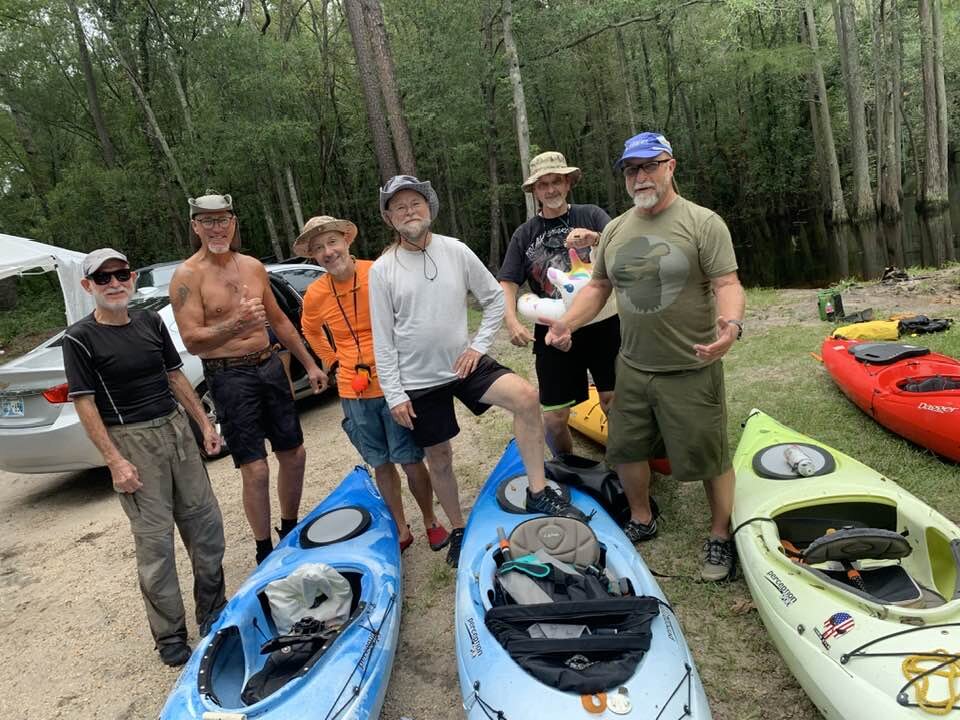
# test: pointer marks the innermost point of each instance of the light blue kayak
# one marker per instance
(665, 683)
(352, 532)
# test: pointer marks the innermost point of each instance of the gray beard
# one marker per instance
(415, 238)
(644, 201)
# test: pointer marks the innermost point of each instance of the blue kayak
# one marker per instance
(344, 673)
(631, 657)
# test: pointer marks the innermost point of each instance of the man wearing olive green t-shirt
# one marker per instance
(672, 266)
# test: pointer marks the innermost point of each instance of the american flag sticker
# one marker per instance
(837, 624)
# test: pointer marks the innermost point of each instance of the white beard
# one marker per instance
(645, 200)
(555, 203)
(218, 250)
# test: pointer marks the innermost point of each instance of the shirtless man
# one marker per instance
(222, 300)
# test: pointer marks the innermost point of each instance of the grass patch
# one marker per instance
(38, 315)
(762, 297)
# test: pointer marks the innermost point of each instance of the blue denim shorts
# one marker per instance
(376, 435)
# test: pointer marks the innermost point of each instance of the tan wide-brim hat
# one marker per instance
(318, 225)
(548, 163)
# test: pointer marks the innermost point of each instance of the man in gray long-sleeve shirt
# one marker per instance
(425, 357)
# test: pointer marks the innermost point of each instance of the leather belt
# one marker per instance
(211, 365)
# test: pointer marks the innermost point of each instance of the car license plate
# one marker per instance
(11, 407)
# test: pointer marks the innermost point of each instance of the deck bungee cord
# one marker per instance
(918, 676)
(362, 662)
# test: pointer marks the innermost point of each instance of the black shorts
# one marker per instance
(436, 420)
(562, 376)
(253, 402)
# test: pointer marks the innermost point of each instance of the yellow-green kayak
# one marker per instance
(853, 577)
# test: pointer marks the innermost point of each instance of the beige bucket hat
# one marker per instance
(547, 163)
(320, 224)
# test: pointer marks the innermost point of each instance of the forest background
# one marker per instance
(113, 112)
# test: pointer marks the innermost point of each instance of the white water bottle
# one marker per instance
(799, 461)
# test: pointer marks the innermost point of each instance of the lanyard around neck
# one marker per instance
(356, 312)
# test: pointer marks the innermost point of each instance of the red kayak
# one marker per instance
(906, 388)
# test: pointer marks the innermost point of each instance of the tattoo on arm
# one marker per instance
(183, 292)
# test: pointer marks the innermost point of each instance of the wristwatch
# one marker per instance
(739, 325)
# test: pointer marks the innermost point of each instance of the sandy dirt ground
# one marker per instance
(75, 638)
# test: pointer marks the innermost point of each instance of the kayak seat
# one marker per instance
(890, 584)
(564, 539)
(936, 383)
(885, 353)
(858, 543)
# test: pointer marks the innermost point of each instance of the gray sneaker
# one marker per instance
(719, 560)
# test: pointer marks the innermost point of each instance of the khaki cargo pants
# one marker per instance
(176, 489)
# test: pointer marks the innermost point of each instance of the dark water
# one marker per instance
(805, 252)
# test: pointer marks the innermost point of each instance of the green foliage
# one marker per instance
(39, 313)
(726, 81)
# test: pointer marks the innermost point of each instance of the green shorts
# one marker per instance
(683, 412)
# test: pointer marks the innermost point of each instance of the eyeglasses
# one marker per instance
(211, 223)
(404, 209)
(102, 277)
(649, 168)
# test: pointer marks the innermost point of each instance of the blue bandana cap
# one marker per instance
(644, 146)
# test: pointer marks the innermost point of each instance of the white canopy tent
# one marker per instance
(18, 254)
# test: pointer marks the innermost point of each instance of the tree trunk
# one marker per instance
(380, 44)
(648, 76)
(282, 202)
(889, 188)
(294, 198)
(862, 196)
(451, 199)
(366, 69)
(93, 98)
(933, 189)
(629, 91)
(181, 96)
(488, 87)
(271, 225)
(519, 102)
(837, 210)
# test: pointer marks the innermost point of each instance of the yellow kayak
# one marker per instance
(856, 580)
(589, 419)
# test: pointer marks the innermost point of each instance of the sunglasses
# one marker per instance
(102, 277)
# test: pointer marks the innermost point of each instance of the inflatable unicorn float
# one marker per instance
(537, 308)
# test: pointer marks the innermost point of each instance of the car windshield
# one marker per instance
(156, 276)
(300, 277)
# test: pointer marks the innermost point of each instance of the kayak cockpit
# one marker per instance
(561, 615)
(873, 551)
(246, 663)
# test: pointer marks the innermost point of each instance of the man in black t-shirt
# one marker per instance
(124, 379)
(541, 243)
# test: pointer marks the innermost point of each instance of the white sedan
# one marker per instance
(39, 428)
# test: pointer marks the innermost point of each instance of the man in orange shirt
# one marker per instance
(336, 323)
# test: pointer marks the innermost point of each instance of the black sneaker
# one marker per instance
(453, 547)
(550, 502)
(638, 532)
(175, 655)
(718, 560)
